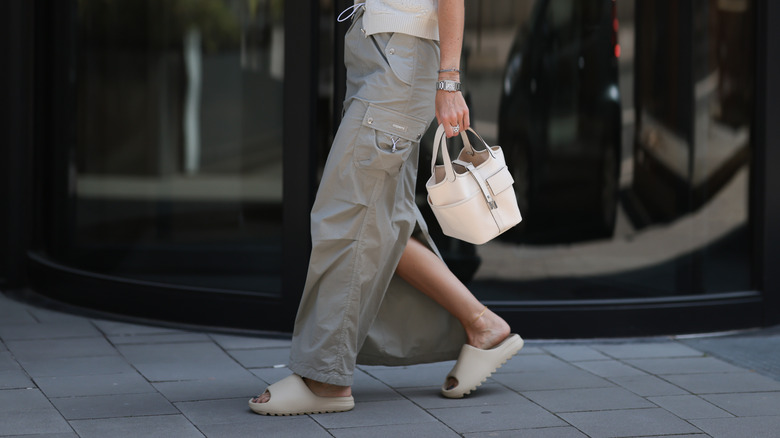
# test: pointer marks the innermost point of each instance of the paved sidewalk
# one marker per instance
(70, 376)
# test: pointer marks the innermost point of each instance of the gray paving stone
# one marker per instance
(15, 379)
(13, 318)
(628, 423)
(163, 426)
(427, 375)
(108, 406)
(270, 375)
(7, 362)
(546, 432)
(687, 435)
(262, 426)
(376, 414)
(749, 404)
(536, 362)
(261, 357)
(521, 415)
(367, 389)
(159, 338)
(686, 365)
(117, 328)
(724, 382)
(530, 349)
(648, 385)
(13, 312)
(231, 342)
(100, 384)
(225, 411)
(753, 427)
(575, 353)
(756, 350)
(77, 366)
(218, 387)
(50, 330)
(548, 380)
(587, 399)
(609, 368)
(27, 411)
(689, 407)
(640, 350)
(486, 395)
(44, 435)
(46, 315)
(187, 361)
(420, 430)
(48, 349)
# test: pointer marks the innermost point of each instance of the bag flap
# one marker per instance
(394, 123)
(500, 181)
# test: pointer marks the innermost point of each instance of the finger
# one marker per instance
(455, 128)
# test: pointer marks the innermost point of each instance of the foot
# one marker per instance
(484, 333)
(318, 388)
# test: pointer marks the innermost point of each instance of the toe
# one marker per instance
(451, 383)
(262, 398)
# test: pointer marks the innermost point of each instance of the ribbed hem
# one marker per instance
(419, 27)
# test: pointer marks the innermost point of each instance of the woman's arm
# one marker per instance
(451, 109)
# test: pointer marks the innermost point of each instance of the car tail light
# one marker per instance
(615, 27)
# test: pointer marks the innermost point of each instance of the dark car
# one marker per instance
(560, 121)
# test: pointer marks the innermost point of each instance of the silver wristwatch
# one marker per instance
(448, 85)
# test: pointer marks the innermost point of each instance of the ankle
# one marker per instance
(327, 389)
(478, 321)
(487, 330)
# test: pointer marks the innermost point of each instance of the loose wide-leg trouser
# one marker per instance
(365, 211)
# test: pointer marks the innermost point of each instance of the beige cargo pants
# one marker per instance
(354, 309)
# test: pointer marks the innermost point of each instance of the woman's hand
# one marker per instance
(452, 111)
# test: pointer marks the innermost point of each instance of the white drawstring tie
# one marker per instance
(350, 11)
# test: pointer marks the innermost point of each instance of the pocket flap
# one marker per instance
(394, 123)
(500, 181)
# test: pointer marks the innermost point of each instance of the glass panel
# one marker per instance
(178, 154)
(622, 197)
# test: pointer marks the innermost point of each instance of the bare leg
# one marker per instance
(421, 268)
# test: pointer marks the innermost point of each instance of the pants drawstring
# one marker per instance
(350, 11)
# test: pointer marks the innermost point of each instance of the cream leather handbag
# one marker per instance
(472, 197)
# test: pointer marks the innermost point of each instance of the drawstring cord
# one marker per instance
(350, 11)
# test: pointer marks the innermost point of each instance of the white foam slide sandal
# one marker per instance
(291, 396)
(475, 365)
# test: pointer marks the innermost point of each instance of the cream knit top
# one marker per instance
(413, 17)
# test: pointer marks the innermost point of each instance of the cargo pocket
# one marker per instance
(386, 139)
(400, 53)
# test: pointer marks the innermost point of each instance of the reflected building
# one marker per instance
(162, 157)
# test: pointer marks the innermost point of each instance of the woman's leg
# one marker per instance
(421, 268)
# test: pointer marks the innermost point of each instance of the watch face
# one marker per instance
(448, 85)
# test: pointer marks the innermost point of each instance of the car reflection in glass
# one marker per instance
(560, 121)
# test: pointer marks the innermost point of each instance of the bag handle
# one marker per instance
(467, 143)
(440, 142)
